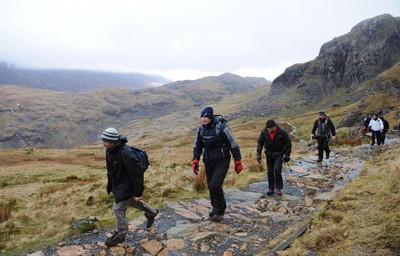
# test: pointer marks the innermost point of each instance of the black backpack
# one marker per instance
(140, 156)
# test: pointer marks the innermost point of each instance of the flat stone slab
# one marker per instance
(181, 210)
(244, 197)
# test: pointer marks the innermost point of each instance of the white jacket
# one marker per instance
(376, 125)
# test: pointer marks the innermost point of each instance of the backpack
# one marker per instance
(218, 119)
(141, 157)
(324, 129)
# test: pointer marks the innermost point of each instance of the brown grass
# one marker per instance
(364, 218)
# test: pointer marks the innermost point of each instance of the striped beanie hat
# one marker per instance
(110, 134)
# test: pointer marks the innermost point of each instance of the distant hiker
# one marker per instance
(218, 144)
(376, 127)
(125, 181)
(277, 150)
(326, 129)
(366, 121)
(385, 127)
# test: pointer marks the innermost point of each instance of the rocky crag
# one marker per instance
(252, 220)
(347, 69)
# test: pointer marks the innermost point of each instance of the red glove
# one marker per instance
(195, 166)
(238, 166)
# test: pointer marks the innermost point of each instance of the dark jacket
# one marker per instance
(325, 128)
(125, 176)
(385, 125)
(280, 145)
(216, 146)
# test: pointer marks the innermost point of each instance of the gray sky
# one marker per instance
(179, 39)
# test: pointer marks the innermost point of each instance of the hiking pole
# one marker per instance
(290, 169)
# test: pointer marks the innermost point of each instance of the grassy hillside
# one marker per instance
(44, 190)
(364, 218)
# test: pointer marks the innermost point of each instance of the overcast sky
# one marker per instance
(179, 39)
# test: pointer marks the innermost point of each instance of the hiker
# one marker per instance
(125, 181)
(376, 127)
(385, 127)
(216, 142)
(277, 150)
(326, 129)
(366, 121)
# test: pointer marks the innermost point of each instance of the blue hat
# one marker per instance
(208, 112)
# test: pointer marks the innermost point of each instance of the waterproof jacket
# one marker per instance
(216, 146)
(325, 127)
(125, 176)
(376, 125)
(385, 125)
(280, 145)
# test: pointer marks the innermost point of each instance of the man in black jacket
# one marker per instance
(277, 149)
(218, 143)
(125, 181)
(385, 127)
(325, 129)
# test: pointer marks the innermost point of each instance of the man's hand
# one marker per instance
(333, 137)
(313, 136)
(286, 159)
(238, 166)
(259, 158)
(195, 166)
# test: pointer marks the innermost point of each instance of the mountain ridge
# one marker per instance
(75, 80)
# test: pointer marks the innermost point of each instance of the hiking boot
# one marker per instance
(279, 192)
(212, 213)
(270, 191)
(319, 160)
(216, 217)
(150, 219)
(114, 240)
(327, 154)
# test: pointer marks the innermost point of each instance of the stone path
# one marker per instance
(251, 221)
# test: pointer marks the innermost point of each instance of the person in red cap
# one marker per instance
(277, 150)
(215, 141)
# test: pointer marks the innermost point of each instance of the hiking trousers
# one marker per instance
(216, 174)
(120, 209)
(323, 145)
(274, 170)
(377, 135)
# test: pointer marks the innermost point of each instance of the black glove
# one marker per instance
(286, 159)
(259, 158)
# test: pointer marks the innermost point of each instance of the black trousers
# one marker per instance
(377, 135)
(383, 136)
(274, 170)
(216, 174)
(323, 145)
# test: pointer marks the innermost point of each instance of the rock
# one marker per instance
(308, 201)
(38, 253)
(71, 250)
(153, 247)
(182, 229)
(227, 253)
(198, 237)
(175, 244)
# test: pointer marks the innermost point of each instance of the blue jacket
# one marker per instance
(216, 146)
(125, 176)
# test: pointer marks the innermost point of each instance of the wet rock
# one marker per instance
(182, 229)
(153, 247)
(71, 250)
(38, 253)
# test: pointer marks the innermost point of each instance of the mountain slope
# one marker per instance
(341, 72)
(42, 118)
(75, 80)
